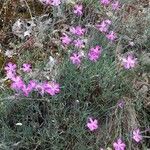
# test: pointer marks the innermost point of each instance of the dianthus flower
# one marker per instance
(78, 10)
(26, 67)
(121, 103)
(17, 83)
(105, 2)
(119, 145)
(55, 2)
(52, 88)
(75, 58)
(10, 67)
(28, 88)
(94, 53)
(104, 25)
(10, 75)
(111, 36)
(65, 39)
(73, 30)
(92, 124)
(137, 135)
(40, 87)
(129, 62)
(79, 43)
(77, 30)
(115, 5)
(32, 84)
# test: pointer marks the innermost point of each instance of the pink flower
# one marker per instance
(65, 39)
(137, 135)
(79, 43)
(73, 30)
(92, 124)
(10, 67)
(51, 2)
(17, 83)
(78, 10)
(77, 30)
(104, 25)
(108, 21)
(55, 2)
(111, 36)
(105, 2)
(115, 5)
(95, 53)
(26, 90)
(119, 145)
(129, 62)
(10, 70)
(40, 88)
(26, 67)
(76, 58)
(121, 103)
(52, 88)
(32, 84)
(10, 75)
(80, 30)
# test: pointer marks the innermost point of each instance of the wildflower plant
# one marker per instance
(84, 96)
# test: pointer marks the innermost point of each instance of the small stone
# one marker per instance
(18, 124)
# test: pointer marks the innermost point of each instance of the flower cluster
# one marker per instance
(105, 24)
(93, 55)
(92, 125)
(103, 27)
(19, 85)
(76, 40)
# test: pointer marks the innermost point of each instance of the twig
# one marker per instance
(28, 9)
(13, 97)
